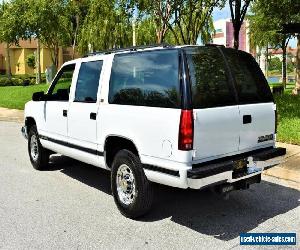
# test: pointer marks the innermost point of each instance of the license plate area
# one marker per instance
(243, 167)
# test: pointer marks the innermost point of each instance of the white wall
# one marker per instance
(220, 27)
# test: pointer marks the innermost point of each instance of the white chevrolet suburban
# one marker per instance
(183, 116)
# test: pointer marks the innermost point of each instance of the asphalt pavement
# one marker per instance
(71, 207)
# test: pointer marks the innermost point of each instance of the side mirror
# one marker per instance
(38, 96)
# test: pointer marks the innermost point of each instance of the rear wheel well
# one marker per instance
(29, 122)
(114, 144)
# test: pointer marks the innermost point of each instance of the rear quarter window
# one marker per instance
(251, 85)
(209, 79)
(149, 78)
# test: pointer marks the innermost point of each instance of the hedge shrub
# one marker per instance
(16, 82)
(22, 80)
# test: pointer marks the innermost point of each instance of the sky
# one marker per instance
(221, 14)
(225, 13)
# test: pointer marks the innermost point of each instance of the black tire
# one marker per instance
(40, 161)
(143, 194)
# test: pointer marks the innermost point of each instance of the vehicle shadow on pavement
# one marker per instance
(200, 210)
(92, 176)
(210, 214)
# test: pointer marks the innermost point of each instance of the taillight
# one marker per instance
(186, 130)
(276, 121)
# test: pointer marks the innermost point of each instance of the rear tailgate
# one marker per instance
(216, 112)
(258, 130)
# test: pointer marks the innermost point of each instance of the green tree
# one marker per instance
(78, 10)
(238, 10)
(160, 13)
(108, 24)
(30, 61)
(266, 23)
(274, 64)
(50, 22)
(187, 20)
(290, 64)
(146, 31)
(10, 28)
(19, 11)
(193, 19)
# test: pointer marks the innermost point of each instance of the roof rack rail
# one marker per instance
(215, 45)
(133, 48)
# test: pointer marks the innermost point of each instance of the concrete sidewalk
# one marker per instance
(14, 115)
(289, 170)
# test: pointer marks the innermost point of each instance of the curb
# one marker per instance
(285, 174)
(11, 115)
(11, 119)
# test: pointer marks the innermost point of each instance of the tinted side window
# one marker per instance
(251, 85)
(60, 88)
(146, 79)
(88, 81)
(209, 80)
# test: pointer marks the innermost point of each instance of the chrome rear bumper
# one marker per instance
(224, 171)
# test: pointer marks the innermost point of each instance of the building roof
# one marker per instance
(24, 44)
(289, 50)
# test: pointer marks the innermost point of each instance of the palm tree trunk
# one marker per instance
(8, 66)
(267, 61)
(297, 87)
(133, 33)
(284, 64)
(56, 55)
(75, 37)
(38, 62)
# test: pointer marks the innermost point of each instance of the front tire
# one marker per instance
(39, 156)
(133, 193)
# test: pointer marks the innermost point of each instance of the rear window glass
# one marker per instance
(146, 79)
(251, 85)
(209, 79)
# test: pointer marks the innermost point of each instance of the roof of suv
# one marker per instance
(135, 49)
(142, 48)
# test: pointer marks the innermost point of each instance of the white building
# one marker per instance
(224, 34)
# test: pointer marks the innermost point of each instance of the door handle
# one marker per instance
(65, 113)
(247, 119)
(93, 116)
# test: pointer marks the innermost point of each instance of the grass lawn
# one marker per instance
(278, 73)
(289, 85)
(15, 97)
(288, 107)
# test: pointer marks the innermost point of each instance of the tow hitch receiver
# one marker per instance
(244, 167)
(242, 184)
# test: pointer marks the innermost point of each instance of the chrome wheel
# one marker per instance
(34, 148)
(125, 185)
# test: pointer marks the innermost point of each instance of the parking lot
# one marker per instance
(71, 207)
